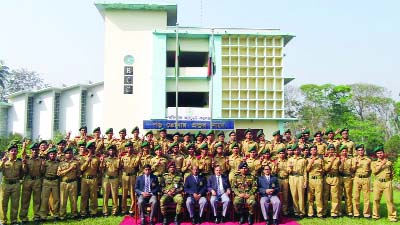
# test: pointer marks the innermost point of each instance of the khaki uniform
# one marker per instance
(172, 182)
(283, 178)
(32, 185)
(234, 162)
(346, 184)
(335, 143)
(110, 167)
(163, 142)
(321, 148)
(99, 146)
(177, 159)
(158, 165)
(297, 183)
(145, 159)
(188, 162)
(137, 142)
(270, 163)
(10, 188)
(351, 147)
(74, 142)
(89, 184)
(228, 150)
(108, 142)
(244, 184)
(221, 161)
(263, 145)
(205, 165)
(289, 142)
(332, 185)
(68, 171)
(246, 145)
(361, 182)
(121, 145)
(383, 184)
(274, 147)
(51, 185)
(183, 148)
(253, 166)
(315, 186)
(129, 166)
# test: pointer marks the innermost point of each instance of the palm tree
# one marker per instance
(3, 73)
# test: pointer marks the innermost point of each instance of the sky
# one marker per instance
(338, 42)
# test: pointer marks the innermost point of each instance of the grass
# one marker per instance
(328, 221)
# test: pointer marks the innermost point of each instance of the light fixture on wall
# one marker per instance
(39, 101)
(90, 94)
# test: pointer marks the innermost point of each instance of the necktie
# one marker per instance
(195, 178)
(219, 192)
(147, 184)
(268, 180)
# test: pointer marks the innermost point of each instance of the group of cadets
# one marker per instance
(310, 172)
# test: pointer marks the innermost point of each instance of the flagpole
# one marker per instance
(211, 80)
(176, 76)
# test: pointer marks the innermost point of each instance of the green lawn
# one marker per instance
(344, 220)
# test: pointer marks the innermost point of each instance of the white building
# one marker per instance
(246, 90)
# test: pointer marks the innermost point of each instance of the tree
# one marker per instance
(292, 101)
(3, 73)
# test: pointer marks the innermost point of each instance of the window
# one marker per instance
(56, 116)
(188, 59)
(188, 99)
(83, 107)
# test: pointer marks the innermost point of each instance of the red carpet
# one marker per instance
(131, 221)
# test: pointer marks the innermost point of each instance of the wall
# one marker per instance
(43, 106)
(95, 108)
(268, 126)
(70, 101)
(17, 115)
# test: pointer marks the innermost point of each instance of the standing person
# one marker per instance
(147, 188)
(204, 161)
(172, 187)
(11, 167)
(189, 161)
(110, 169)
(89, 185)
(162, 140)
(51, 185)
(32, 185)
(159, 162)
(129, 164)
(276, 144)
(234, 160)
(121, 141)
(98, 140)
(321, 145)
(220, 189)
(244, 186)
(262, 143)
(196, 190)
(268, 187)
(298, 181)
(315, 170)
(136, 140)
(346, 180)
(351, 146)
(330, 140)
(383, 171)
(175, 156)
(282, 172)
(253, 164)
(232, 139)
(331, 182)
(146, 157)
(287, 139)
(220, 158)
(362, 169)
(68, 171)
(248, 142)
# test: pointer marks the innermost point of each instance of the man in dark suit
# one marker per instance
(220, 189)
(147, 188)
(268, 186)
(196, 189)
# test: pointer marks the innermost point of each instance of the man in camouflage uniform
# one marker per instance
(383, 171)
(32, 184)
(172, 187)
(362, 169)
(68, 171)
(331, 182)
(51, 185)
(244, 186)
(11, 167)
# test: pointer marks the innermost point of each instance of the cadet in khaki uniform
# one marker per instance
(199, 141)
(189, 161)
(210, 139)
(362, 169)
(315, 170)
(383, 171)
(288, 140)
(60, 149)
(183, 146)
(321, 146)
(68, 171)
(331, 182)
(163, 141)
(89, 185)
(11, 167)
(129, 164)
(175, 156)
(262, 143)
(121, 141)
(204, 161)
(234, 161)
(247, 143)
(297, 181)
(351, 146)
(158, 163)
(244, 186)
(331, 139)
(146, 157)
(32, 184)
(253, 164)
(137, 142)
(99, 141)
(110, 168)
(283, 178)
(110, 140)
(266, 160)
(172, 187)
(276, 144)
(51, 185)
(346, 179)
(220, 159)
(221, 140)
(232, 139)
(82, 137)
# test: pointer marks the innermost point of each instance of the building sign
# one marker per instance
(188, 113)
(189, 124)
(128, 74)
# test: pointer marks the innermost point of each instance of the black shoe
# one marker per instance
(165, 220)
(193, 220)
(241, 220)
(250, 220)
(217, 220)
(223, 219)
(276, 222)
(176, 220)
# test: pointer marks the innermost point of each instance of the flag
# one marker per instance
(211, 63)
